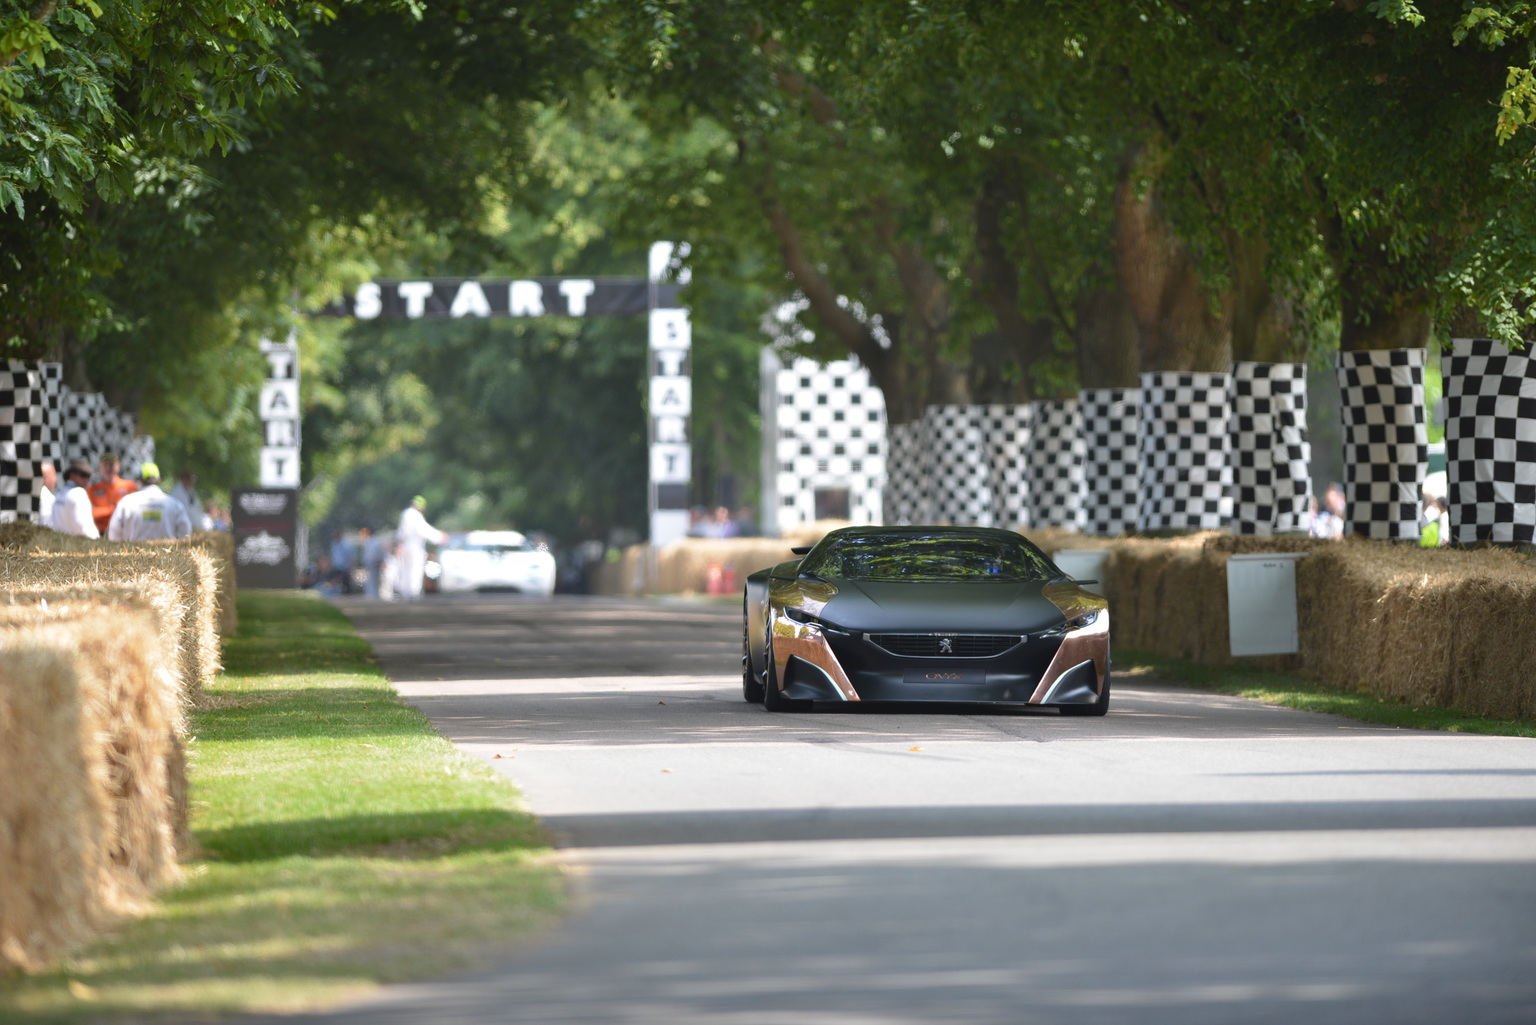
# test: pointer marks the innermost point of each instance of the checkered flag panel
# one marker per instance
(22, 441)
(1007, 430)
(51, 377)
(1112, 452)
(1185, 425)
(1381, 406)
(136, 453)
(1490, 442)
(824, 427)
(958, 469)
(1056, 464)
(1271, 456)
(905, 500)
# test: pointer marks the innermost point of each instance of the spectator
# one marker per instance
(215, 515)
(72, 505)
(1434, 522)
(373, 562)
(412, 538)
(719, 524)
(343, 561)
(45, 497)
(1328, 521)
(149, 514)
(108, 490)
(185, 492)
(746, 523)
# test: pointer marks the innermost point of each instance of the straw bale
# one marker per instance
(190, 570)
(86, 817)
(220, 546)
(685, 564)
(1424, 626)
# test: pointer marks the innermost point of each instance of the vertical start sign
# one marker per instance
(671, 399)
(280, 414)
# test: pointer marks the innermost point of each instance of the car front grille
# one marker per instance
(935, 646)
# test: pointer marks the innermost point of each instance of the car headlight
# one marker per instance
(802, 616)
(1077, 622)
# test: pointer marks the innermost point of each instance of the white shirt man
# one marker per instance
(152, 515)
(413, 535)
(72, 505)
(45, 495)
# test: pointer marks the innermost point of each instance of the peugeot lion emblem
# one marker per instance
(946, 646)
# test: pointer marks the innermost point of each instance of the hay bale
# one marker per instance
(1423, 626)
(86, 818)
(685, 565)
(219, 545)
(190, 570)
(153, 593)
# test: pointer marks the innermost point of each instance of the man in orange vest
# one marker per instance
(107, 492)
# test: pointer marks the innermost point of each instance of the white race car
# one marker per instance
(483, 560)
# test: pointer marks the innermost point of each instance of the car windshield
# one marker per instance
(465, 544)
(928, 556)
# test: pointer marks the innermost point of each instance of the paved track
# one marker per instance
(1187, 859)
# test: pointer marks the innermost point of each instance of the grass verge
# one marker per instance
(345, 844)
(1295, 691)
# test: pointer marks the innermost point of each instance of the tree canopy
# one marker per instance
(982, 201)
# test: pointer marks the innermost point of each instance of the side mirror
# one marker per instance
(805, 550)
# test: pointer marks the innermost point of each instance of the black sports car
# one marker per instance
(924, 614)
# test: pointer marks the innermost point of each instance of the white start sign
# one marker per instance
(280, 415)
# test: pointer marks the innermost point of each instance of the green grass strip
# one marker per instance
(1295, 691)
(345, 844)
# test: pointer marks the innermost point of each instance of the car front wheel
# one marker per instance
(751, 689)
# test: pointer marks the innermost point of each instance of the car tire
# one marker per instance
(751, 687)
(773, 698)
(1099, 707)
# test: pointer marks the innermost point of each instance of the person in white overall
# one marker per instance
(412, 537)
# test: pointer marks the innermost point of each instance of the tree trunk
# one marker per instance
(1108, 344)
(1180, 326)
(1377, 315)
(1263, 321)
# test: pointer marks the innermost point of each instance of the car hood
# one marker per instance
(972, 606)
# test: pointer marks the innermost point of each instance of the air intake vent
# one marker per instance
(946, 645)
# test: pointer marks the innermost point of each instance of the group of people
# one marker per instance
(388, 570)
(106, 504)
(720, 523)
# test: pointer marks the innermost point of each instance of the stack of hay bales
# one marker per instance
(1451, 628)
(87, 753)
(1444, 627)
(103, 649)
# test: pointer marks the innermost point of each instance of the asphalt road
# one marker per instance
(1187, 859)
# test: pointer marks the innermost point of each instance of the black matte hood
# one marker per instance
(910, 606)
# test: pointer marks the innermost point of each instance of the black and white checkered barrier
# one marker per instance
(959, 474)
(22, 440)
(1381, 406)
(1490, 442)
(1007, 429)
(51, 377)
(905, 499)
(1112, 454)
(1056, 464)
(1271, 456)
(1185, 438)
(827, 425)
(136, 453)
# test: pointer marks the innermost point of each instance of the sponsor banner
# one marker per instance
(265, 526)
(504, 297)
